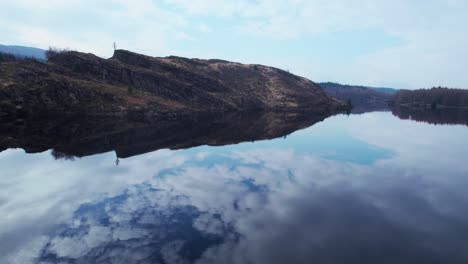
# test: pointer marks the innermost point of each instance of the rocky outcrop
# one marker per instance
(129, 83)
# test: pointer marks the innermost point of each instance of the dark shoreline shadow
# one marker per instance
(445, 116)
(80, 137)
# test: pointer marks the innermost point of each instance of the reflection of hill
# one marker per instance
(362, 108)
(85, 137)
(435, 116)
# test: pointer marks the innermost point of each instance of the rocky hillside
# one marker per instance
(133, 84)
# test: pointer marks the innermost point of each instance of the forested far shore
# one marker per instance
(438, 97)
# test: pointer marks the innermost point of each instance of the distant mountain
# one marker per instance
(22, 51)
(363, 99)
(384, 89)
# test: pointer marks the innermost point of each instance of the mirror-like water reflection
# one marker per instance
(444, 116)
(79, 137)
(367, 188)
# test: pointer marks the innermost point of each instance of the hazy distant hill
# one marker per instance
(363, 99)
(384, 89)
(22, 51)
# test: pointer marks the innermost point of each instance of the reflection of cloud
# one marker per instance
(170, 252)
(258, 204)
(28, 252)
(75, 247)
(40, 193)
(339, 226)
(209, 224)
(121, 229)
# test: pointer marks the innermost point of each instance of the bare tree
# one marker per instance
(114, 45)
(52, 51)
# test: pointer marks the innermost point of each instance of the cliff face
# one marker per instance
(129, 83)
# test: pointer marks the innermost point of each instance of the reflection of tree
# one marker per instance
(60, 155)
(433, 116)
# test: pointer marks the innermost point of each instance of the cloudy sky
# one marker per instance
(399, 43)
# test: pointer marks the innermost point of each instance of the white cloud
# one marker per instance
(92, 26)
(432, 33)
(434, 43)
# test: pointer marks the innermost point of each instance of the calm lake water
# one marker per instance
(368, 188)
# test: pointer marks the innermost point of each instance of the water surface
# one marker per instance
(369, 188)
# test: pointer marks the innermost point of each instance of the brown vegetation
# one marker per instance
(54, 51)
(71, 82)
